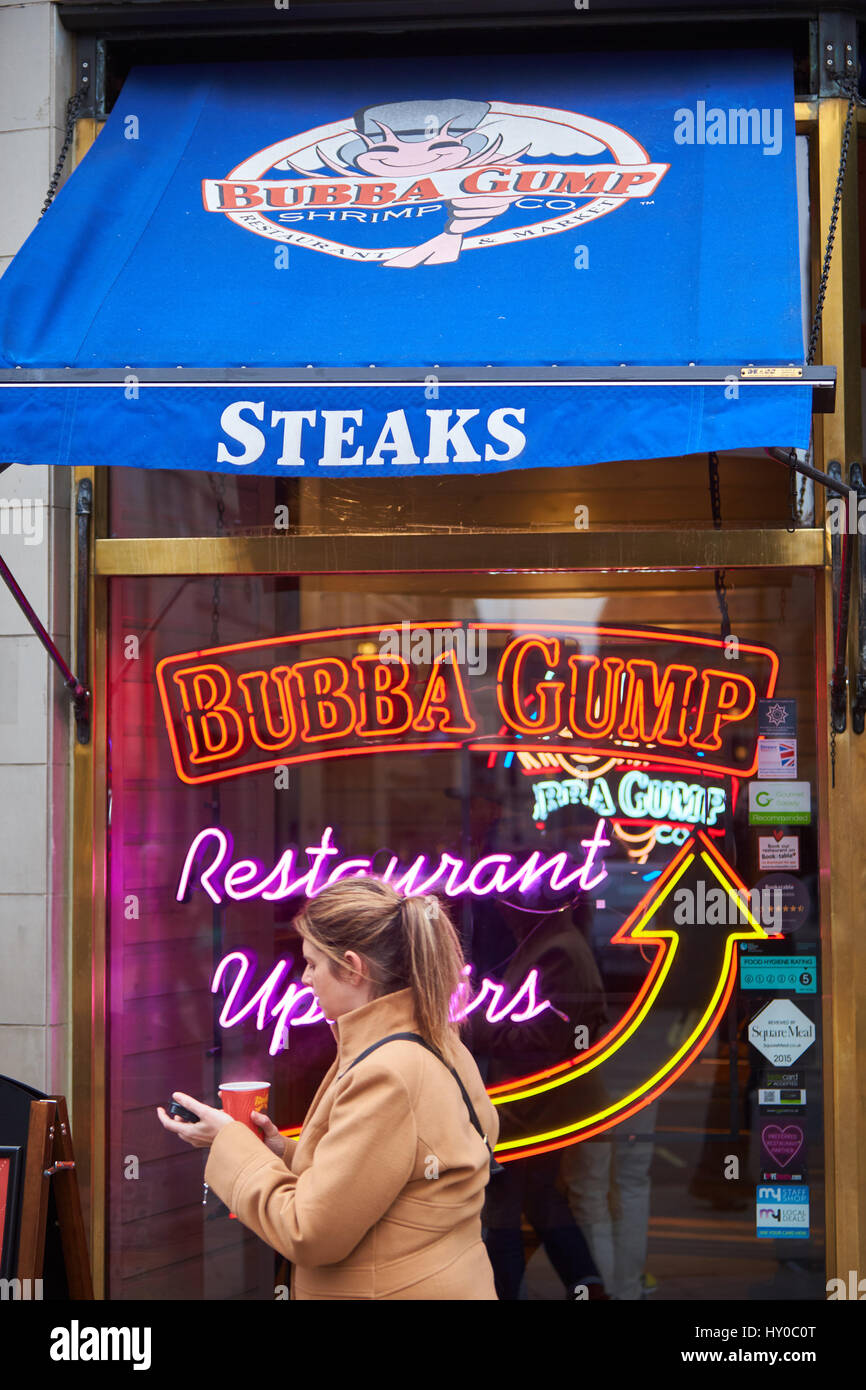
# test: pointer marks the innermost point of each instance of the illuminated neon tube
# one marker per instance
(494, 873)
(298, 1006)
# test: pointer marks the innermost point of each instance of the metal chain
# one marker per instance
(716, 503)
(73, 106)
(218, 487)
(795, 508)
(848, 85)
(804, 483)
(832, 751)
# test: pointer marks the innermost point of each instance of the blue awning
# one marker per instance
(352, 269)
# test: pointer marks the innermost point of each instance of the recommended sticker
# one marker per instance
(782, 1032)
(778, 851)
(777, 718)
(777, 757)
(797, 973)
(780, 803)
(782, 1211)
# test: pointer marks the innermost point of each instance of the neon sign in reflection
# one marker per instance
(298, 1005)
(637, 796)
(494, 873)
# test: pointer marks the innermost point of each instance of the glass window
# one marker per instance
(565, 760)
(608, 497)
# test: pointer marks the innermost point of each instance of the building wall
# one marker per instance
(36, 71)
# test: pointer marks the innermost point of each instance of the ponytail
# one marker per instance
(406, 942)
(435, 959)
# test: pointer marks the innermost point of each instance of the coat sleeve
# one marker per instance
(360, 1165)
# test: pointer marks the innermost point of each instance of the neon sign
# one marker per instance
(233, 710)
(494, 873)
(297, 1006)
(236, 709)
(638, 797)
(697, 960)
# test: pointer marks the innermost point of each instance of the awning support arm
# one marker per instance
(80, 694)
(789, 458)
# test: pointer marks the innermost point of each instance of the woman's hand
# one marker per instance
(202, 1134)
(274, 1140)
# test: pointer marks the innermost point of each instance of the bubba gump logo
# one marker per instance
(399, 162)
(308, 696)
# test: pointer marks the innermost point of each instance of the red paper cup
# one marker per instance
(241, 1098)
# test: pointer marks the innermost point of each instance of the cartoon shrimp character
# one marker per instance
(420, 139)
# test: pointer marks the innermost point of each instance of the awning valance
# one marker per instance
(418, 267)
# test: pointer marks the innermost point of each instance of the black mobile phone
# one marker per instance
(180, 1112)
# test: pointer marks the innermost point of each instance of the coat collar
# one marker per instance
(392, 1013)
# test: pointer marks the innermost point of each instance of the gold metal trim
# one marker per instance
(89, 1109)
(839, 342)
(842, 865)
(828, 892)
(500, 552)
(806, 115)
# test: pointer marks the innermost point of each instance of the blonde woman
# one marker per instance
(381, 1195)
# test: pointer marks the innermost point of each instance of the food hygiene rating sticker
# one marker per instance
(782, 1212)
(795, 973)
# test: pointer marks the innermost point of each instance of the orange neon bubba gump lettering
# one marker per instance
(584, 694)
(387, 695)
(258, 707)
(307, 709)
(200, 713)
(548, 693)
(436, 700)
(667, 697)
(713, 712)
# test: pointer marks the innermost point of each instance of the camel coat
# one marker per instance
(381, 1195)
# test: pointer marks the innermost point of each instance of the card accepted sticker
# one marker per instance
(782, 1211)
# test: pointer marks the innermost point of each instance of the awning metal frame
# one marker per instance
(821, 379)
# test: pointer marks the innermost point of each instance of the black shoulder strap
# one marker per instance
(416, 1037)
